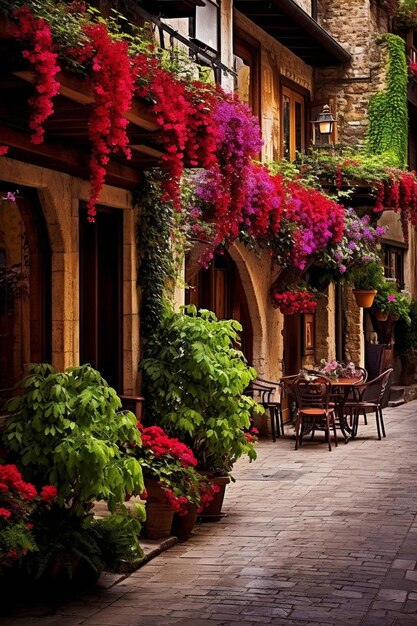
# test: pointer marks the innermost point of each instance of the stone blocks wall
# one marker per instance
(355, 24)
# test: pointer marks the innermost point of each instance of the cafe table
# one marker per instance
(341, 388)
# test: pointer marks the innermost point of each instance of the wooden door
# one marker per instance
(292, 359)
(101, 300)
(219, 289)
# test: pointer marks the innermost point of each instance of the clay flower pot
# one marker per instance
(159, 512)
(212, 512)
(182, 525)
(381, 316)
(364, 297)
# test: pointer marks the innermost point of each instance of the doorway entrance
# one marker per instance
(101, 314)
(219, 289)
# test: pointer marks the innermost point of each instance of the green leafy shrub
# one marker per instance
(196, 378)
(369, 276)
(67, 429)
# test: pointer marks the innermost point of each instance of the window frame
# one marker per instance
(295, 94)
(248, 49)
(193, 27)
(389, 248)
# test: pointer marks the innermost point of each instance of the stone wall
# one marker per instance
(355, 24)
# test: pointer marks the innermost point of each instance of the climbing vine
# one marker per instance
(156, 259)
(387, 112)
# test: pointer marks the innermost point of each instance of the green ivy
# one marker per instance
(388, 112)
(155, 226)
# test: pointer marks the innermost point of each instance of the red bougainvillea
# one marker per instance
(291, 302)
(113, 83)
(399, 193)
(4, 150)
(36, 34)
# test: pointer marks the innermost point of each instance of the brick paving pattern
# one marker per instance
(311, 538)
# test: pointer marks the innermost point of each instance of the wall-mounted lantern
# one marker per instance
(323, 126)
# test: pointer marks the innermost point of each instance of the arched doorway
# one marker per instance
(25, 286)
(219, 289)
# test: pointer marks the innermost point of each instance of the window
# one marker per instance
(394, 264)
(205, 26)
(246, 66)
(293, 123)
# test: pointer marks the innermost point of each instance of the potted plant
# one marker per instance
(172, 485)
(366, 281)
(67, 429)
(196, 380)
(389, 302)
(296, 300)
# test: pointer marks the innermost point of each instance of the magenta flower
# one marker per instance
(11, 196)
(391, 298)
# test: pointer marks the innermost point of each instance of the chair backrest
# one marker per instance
(286, 384)
(363, 372)
(373, 390)
(261, 390)
(312, 393)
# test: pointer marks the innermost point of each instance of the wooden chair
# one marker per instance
(313, 408)
(369, 398)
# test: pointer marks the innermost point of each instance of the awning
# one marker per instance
(286, 22)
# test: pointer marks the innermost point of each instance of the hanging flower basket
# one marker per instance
(381, 316)
(364, 297)
(295, 302)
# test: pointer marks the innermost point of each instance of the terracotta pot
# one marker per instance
(212, 512)
(182, 525)
(364, 297)
(159, 512)
(381, 316)
(394, 317)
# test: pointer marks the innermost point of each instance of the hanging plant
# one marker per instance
(36, 35)
(113, 85)
(295, 302)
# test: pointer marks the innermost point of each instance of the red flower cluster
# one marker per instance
(399, 193)
(4, 150)
(48, 494)
(11, 482)
(157, 440)
(291, 302)
(40, 53)
(113, 83)
(207, 492)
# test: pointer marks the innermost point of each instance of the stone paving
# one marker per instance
(311, 538)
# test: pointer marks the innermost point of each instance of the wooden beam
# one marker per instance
(81, 91)
(65, 159)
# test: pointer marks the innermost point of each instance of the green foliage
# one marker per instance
(156, 261)
(197, 380)
(66, 430)
(117, 538)
(388, 110)
(390, 300)
(369, 276)
(406, 334)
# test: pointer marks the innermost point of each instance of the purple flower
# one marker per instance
(342, 269)
(391, 298)
(11, 196)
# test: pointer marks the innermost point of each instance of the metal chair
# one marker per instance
(369, 400)
(275, 406)
(264, 391)
(313, 408)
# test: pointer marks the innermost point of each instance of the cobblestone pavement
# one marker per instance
(311, 537)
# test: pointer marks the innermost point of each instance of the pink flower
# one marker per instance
(391, 298)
